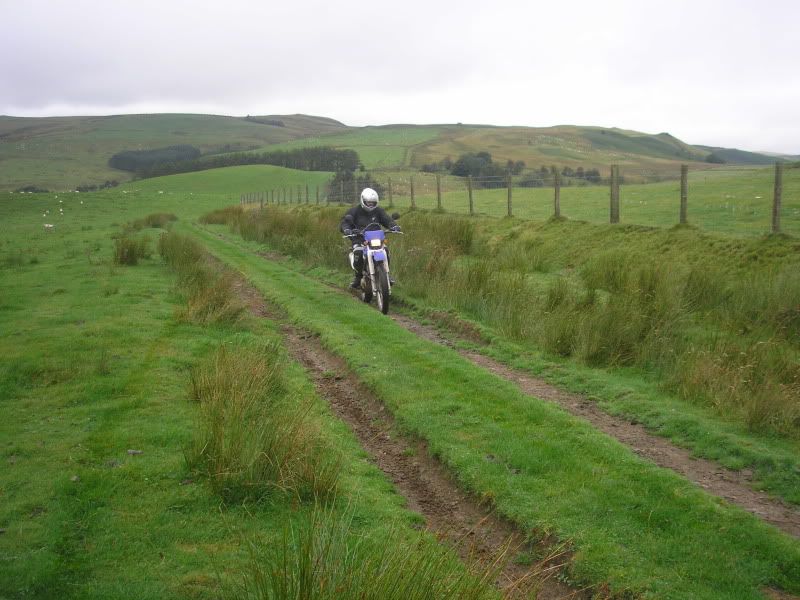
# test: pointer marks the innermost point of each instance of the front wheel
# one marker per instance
(382, 293)
(366, 289)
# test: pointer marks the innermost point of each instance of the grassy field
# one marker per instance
(100, 360)
(729, 201)
(60, 153)
(108, 384)
(389, 146)
(642, 530)
(230, 182)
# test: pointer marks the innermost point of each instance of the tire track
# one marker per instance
(733, 486)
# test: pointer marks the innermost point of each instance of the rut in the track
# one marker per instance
(452, 515)
(733, 486)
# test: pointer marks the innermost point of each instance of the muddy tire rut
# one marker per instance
(452, 515)
(733, 486)
(449, 513)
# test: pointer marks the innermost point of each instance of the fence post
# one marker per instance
(684, 194)
(557, 195)
(413, 202)
(317, 193)
(438, 192)
(508, 185)
(776, 198)
(469, 191)
(614, 194)
(341, 190)
(306, 193)
(262, 203)
(391, 197)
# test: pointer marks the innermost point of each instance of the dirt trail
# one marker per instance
(733, 486)
(452, 515)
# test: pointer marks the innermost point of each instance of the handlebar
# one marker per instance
(357, 233)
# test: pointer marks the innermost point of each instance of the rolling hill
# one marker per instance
(63, 152)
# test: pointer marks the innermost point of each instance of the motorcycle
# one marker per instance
(375, 280)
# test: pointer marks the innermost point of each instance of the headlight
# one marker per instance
(375, 243)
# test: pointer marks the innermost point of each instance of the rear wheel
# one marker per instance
(382, 293)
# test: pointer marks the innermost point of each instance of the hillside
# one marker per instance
(64, 152)
(392, 147)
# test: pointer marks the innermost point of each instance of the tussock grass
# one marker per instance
(324, 558)
(129, 250)
(254, 436)
(154, 220)
(222, 216)
(209, 288)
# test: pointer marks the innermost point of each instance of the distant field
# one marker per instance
(61, 153)
(731, 201)
(378, 147)
(232, 181)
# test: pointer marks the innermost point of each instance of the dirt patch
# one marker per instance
(733, 486)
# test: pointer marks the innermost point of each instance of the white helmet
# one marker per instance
(369, 199)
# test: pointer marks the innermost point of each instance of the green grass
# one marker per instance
(384, 147)
(671, 339)
(95, 363)
(233, 181)
(60, 153)
(640, 528)
(728, 201)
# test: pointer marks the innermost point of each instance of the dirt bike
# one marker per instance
(375, 280)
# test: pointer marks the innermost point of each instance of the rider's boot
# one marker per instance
(356, 283)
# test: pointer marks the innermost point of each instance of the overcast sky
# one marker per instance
(724, 73)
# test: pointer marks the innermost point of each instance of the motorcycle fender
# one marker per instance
(379, 255)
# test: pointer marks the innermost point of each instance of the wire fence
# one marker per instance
(730, 200)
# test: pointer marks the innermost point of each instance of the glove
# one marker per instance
(396, 228)
(348, 232)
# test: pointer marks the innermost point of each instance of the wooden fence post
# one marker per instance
(469, 191)
(306, 193)
(684, 194)
(776, 198)
(413, 202)
(557, 195)
(262, 202)
(391, 197)
(508, 185)
(317, 193)
(438, 192)
(614, 194)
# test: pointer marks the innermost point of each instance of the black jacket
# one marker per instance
(358, 218)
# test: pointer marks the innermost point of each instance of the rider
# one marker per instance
(357, 218)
